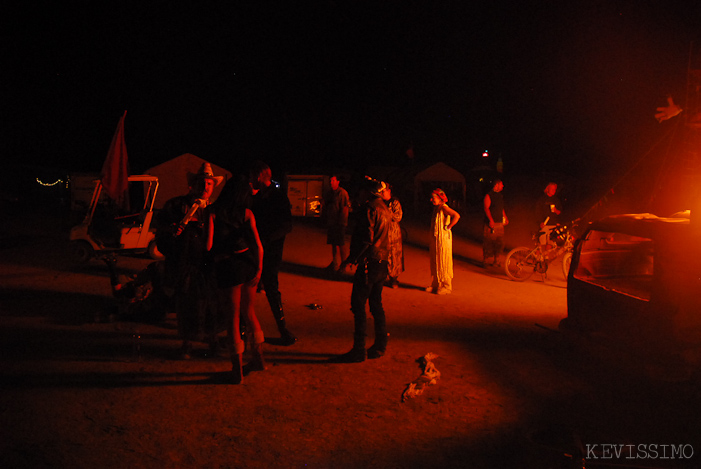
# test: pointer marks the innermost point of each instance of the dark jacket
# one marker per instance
(543, 210)
(371, 234)
(273, 213)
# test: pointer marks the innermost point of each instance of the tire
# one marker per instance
(82, 252)
(566, 262)
(520, 264)
(153, 251)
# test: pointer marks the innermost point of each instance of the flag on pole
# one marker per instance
(115, 170)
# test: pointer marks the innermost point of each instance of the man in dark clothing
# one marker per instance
(547, 211)
(188, 280)
(370, 251)
(273, 214)
(494, 221)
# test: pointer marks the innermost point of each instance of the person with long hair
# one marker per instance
(235, 246)
(441, 248)
(396, 253)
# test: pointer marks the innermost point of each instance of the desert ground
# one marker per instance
(80, 391)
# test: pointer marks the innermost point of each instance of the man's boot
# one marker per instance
(257, 362)
(380, 346)
(286, 337)
(356, 354)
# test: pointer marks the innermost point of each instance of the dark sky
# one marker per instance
(567, 86)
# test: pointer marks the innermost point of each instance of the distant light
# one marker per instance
(485, 154)
(46, 184)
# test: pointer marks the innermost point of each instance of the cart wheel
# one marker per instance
(82, 251)
(153, 251)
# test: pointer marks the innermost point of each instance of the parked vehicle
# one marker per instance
(306, 194)
(105, 229)
(634, 284)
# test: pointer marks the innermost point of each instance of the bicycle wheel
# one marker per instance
(520, 264)
(566, 261)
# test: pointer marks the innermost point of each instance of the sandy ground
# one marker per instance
(80, 392)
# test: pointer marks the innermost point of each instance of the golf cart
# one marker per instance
(106, 229)
(634, 286)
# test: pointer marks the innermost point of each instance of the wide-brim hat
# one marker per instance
(205, 172)
(378, 187)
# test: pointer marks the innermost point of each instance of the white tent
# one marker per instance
(442, 176)
(172, 177)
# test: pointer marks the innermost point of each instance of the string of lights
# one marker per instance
(51, 184)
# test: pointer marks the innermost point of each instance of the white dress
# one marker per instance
(441, 253)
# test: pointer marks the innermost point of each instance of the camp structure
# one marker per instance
(442, 176)
(172, 177)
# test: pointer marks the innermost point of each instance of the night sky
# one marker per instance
(546, 85)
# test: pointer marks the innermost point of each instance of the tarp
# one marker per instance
(172, 177)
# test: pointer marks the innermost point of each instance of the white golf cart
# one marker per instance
(105, 230)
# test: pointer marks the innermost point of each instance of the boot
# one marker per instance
(356, 354)
(257, 362)
(286, 337)
(379, 348)
(237, 363)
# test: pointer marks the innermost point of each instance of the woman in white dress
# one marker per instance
(441, 247)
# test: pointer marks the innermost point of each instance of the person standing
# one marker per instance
(494, 222)
(441, 248)
(187, 280)
(234, 244)
(547, 212)
(335, 211)
(369, 250)
(396, 254)
(273, 213)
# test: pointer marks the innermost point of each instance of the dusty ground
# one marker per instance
(80, 392)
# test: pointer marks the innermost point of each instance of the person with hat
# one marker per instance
(188, 279)
(369, 250)
(441, 247)
(494, 221)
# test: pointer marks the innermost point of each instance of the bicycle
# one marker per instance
(522, 262)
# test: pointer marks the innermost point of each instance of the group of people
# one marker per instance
(376, 251)
(217, 255)
(548, 208)
(336, 210)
